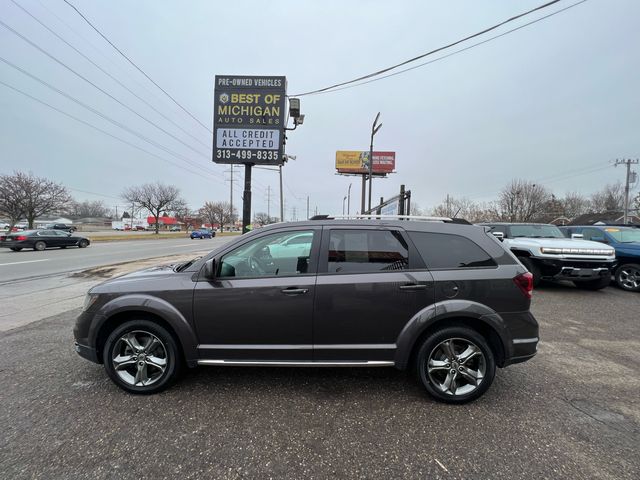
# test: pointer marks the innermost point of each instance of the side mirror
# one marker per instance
(210, 269)
(498, 235)
(577, 236)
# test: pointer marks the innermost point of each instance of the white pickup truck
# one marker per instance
(549, 255)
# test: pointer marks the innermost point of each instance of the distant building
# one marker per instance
(164, 223)
(603, 219)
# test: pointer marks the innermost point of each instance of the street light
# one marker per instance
(374, 129)
(344, 199)
(349, 200)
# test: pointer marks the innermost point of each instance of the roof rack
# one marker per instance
(374, 216)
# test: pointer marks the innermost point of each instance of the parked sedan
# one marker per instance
(41, 239)
(202, 233)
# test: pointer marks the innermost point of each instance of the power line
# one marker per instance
(102, 131)
(137, 67)
(102, 115)
(439, 49)
(452, 53)
(53, 32)
(98, 88)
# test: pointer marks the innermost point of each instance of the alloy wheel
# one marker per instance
(456, 366)
(139, 358)
(629, 277)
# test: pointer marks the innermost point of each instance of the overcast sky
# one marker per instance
(555, 102)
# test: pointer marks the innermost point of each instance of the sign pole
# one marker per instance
(364, 187)
(246, 198)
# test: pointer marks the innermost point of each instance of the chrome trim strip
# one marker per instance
(271, 363)
(525, 340)
(355, 346)
(324, 346)
(255, 347)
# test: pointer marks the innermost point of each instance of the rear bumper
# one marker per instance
(519, 336)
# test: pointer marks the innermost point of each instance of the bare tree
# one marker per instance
(217, 213)
(88, 208)
(261, 219)
(38, 196)
(11, 199)
(461, 208)
(155, 197)
(574, 205)
(609, 199)
(522, 201)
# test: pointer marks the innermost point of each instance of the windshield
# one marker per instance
(624, 235)
(535, 231)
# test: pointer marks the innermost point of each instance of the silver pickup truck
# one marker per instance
(549, 255)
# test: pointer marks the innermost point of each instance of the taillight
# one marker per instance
(524, 281)
(21, 238)
(2, 238)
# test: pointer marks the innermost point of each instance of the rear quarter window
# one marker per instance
(443, 251)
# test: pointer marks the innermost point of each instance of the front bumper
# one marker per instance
(574, 270)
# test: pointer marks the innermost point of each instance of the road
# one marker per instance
(572, 412)
(29, 263)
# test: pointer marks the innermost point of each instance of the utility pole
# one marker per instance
(281, 197)
(269, 202)
(308, 207)
(374, 129)
(246, 198)
(349, 200)
(628, 162)
(293, 214)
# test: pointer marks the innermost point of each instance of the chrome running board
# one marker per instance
(272, 363)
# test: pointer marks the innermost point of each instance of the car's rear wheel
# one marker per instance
(83, 243)
(141, 357)
(16, 249)
(456, 365)
(39, 246)
(598, 284)
(533, 269)
(628, 277)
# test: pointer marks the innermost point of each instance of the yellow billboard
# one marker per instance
(357, 161)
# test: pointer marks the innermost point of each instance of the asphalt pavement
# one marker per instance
(573, 412)
(29, 263)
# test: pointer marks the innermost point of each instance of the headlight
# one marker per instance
(577, 251)
(89, 300)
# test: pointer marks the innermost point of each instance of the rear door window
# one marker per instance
(360, 251)
(442, 251)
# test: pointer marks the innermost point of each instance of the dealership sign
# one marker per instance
(358, 162)
(249, 119)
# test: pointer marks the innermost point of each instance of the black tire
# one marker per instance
(627, 275)
(461, 337)
(39, 246)
(168, 344)
(16, 249)
(84, 243)
(533, 269)
(597, 284)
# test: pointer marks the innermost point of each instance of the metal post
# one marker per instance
(370, 168)
(349, 201)
(364, 188)
(246, 198)
(401, 201)
(625, 217)
(308, 207)
(379, 210)
(281, 198)
(231, 198)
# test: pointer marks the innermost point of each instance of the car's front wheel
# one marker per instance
(628, 277)
(40, 246)
(141, 357)
(456, 365)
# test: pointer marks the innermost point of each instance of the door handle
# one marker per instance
(413, 286)
(294, 291)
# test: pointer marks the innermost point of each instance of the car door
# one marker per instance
(371, 282)
(594, 234)
(49, 237)
(259, 307)
(66, 238)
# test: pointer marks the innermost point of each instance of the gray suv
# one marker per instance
(440, 296)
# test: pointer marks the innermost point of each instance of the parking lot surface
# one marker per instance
(571, 412)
